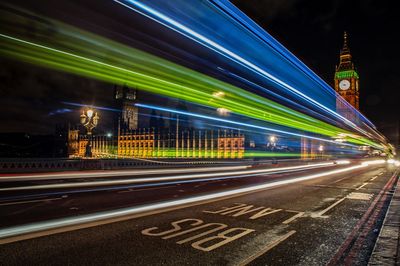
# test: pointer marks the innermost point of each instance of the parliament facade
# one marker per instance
(132, 141)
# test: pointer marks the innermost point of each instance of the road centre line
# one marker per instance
(291, 219)
(321, 213)
(373, 178)
(363, 185)
(28, 231)
(266, 248)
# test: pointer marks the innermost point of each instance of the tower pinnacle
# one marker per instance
(345, 49)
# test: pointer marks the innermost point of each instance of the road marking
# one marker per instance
(359, 196)
(242, 209)
(363, 185)
(28, 201)
(372, 179)
(266, 248)
(225, 236)
(321, 213)
(294, 217)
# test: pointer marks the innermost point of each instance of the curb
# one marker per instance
(387, 246)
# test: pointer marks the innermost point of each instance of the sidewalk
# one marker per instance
(387, 248)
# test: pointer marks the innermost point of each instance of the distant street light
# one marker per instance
(223, 111)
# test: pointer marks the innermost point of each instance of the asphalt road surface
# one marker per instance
(333, 219)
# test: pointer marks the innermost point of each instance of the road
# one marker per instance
(329, 218)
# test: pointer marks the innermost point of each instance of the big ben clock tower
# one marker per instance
(346, 82)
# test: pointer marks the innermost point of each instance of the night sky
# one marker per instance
(30, 97)
(313, 31)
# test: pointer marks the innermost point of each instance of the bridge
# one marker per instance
(228, 150)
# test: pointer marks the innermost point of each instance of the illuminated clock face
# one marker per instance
(344, 85)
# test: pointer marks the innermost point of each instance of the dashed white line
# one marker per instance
(363, 185)
(321, 213)
(267, 248)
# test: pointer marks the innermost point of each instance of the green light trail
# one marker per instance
(82, 53)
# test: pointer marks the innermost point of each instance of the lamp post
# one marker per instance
(321, 150)
(272, 144)
(89, 119)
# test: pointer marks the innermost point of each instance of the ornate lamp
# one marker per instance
(89, 121)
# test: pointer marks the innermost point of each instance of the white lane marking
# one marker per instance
(321, 213)
(373, 178)
(266, 248)
(294, 217)
(28, 231)
(28, 201)
(359, 196)
(164, 178)
(363, 185)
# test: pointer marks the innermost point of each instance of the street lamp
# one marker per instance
(321, 150)
(272, 144)
(89, 121)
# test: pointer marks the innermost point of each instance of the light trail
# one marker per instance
(68, 61)
(172, 24)
(126, 65)
(162, 179)
(16, 233)
(236, 14)
(69, 175)
(239, 123)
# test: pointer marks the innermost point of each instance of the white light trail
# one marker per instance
(239, 123)
(10, 234)
(164, 178)
(135, 172)
(203, 40)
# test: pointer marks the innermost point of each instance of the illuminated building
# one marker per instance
(175, 141)
(346, 82)
(195, 144)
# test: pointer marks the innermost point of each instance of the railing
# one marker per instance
(21, 165)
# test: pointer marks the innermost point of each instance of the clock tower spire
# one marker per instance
(346, 81)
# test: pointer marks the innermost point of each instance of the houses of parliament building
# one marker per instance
(133, 141)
